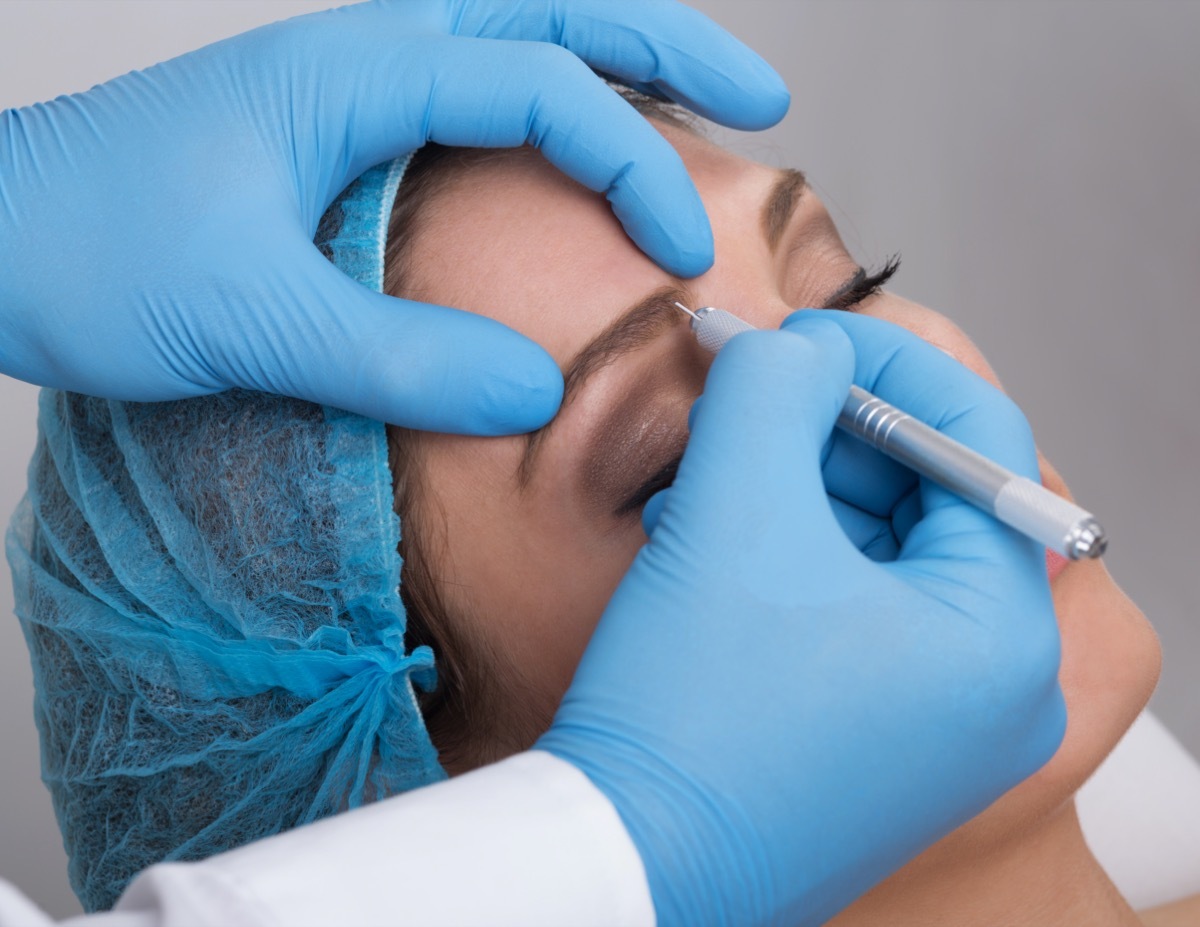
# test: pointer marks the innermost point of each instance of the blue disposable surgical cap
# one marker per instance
(210, 591)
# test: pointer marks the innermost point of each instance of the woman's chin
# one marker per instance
(1111, 660)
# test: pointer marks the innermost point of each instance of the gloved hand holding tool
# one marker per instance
(780, 720)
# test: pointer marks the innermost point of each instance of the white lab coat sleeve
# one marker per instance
(1140, 813)
(526, 841)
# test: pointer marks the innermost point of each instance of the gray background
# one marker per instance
(1035, 163)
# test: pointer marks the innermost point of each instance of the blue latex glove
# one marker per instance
(156, 230)
(780, 720)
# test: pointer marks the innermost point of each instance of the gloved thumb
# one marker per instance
(395, 360)
(750, 477)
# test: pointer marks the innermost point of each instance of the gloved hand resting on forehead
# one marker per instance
(157, 229)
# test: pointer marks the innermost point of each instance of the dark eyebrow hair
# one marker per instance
(781, 203)
(636, 327)
(641, 323)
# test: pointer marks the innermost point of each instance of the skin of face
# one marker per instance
(534, 565)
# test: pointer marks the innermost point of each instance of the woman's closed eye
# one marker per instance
(659, 480)
(862, 286)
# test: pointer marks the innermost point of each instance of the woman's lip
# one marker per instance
(1055, 563)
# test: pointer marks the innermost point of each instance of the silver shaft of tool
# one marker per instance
(1015, 500)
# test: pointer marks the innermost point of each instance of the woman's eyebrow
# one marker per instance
(644, 321)
(635, 328)
(781, 203)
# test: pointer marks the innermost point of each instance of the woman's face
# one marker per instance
(532, 534)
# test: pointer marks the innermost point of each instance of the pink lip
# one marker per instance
(1055, 563)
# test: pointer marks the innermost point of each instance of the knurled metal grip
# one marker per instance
(1031, 509)
(713, 327)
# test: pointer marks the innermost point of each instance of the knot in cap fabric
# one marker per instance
(209, 590)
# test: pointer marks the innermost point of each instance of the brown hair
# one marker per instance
(472, 715)
(468, 716)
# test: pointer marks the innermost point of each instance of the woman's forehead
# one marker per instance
(513, 238)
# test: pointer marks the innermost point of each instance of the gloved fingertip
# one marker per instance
(456, 372)
(779, 101)
(522, 394)
(772, 99)
(801, 317)
(653, 511)
(691, 261)
(661, 211)
(684, 247)
(722, 79)
(790, 319)
(820, 326)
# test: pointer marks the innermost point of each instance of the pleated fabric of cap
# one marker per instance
(210, 593)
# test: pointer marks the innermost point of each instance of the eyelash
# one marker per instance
(661, 480)
(863, 285)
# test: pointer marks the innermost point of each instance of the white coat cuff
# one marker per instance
(525, 841)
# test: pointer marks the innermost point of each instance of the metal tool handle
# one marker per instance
(1015, 500)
